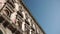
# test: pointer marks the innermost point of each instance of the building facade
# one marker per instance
(15, 18)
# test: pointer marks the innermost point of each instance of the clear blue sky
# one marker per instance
(47, 14)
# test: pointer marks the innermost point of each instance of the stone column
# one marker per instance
(24, 16)
(23, 27)
(30, 31)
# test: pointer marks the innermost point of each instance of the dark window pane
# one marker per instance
(20, 14)
(1, 19)
(1, 32)
(6, 23)
(12, 28)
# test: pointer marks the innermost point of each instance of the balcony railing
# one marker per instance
(11, 3)
(27, 26)
(19, 18)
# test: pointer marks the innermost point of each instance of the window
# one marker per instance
(33, 32)
(6, 23)
(1, 32)
(12, 28)
(20, 24)
(27, 27)
(1, 19)
(32, 27)
(20, 14)
(18, 32)
(28, 31)
(11, 3)
(20, 7)
(6, 12)
(27, 22)
(27, 16)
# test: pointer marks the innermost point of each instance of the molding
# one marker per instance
(32, 16)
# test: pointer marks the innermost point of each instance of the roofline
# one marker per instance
(32, 16)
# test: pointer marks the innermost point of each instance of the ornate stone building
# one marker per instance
(15, 18)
